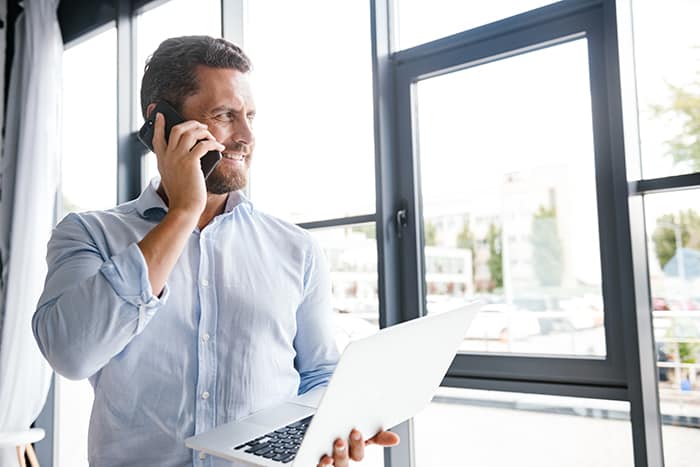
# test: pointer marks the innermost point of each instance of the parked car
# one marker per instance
(503, 322)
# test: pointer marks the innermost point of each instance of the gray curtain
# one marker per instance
(30, 173)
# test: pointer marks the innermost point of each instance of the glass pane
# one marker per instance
(420, 22)
(89, 147)
(88, 181)
(673, 232)
(509, 201)
(667, 59)
(351, 253)
(496, 429)
(171, 19)
(314, 156)
(73, 405)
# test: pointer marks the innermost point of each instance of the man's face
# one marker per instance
(225, 104)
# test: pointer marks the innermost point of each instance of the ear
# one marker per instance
(149, 109)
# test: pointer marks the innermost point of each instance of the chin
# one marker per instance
(220, 183)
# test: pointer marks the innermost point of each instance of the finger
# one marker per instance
(204, 146)
(177, 132)
(325, 461)
(357, 446)
(191, 137)
(384, 438)
(158, 142)
(340, 453)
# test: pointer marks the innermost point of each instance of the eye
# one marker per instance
(251, 117)
(225, 117)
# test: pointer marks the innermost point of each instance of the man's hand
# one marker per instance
(179, 165)
(342, 455)
(183, 182)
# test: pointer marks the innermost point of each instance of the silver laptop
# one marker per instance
(379, 382)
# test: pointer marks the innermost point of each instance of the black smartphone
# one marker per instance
(209, 161)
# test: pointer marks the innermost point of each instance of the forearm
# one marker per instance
(162, 246)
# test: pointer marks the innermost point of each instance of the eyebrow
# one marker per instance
(228, 109)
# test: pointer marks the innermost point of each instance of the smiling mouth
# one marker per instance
(234, 157)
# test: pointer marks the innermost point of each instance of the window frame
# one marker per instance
(628, 371)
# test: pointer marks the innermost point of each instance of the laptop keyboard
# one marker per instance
(279, 445)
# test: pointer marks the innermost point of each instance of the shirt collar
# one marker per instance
(149, 204)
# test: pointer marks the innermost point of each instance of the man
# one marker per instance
(188, 308)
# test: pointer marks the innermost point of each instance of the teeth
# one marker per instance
(234, 157)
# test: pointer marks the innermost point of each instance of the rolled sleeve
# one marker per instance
(127, 274)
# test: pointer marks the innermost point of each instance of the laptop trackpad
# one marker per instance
(279, 416)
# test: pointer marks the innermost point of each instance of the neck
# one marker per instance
(215, 206)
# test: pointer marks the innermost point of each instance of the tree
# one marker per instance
(430, 234)
(465, 238)
(684, 148)
(495, 262)
(664, 236)
(546, 247)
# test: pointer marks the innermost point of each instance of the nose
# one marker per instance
(243, 132)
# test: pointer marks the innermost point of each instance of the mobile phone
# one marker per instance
(209, 161)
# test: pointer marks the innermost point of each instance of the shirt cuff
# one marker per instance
(127, 273)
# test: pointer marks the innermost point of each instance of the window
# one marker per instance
(314, 156)
(89, 152)
(420, 22)
(509, 201)
(88, 181)
(667, 86)
(673, 228)
(667, 74)
(351, 253)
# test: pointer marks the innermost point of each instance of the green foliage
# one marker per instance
(664, 236)
(495, 261)
(684, 148)
(430, 233)
(546, 247)
(465, 238)
(687, 352)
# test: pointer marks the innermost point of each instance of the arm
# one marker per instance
(315, 345)
(92, 305)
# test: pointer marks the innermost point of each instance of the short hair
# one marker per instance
(170, 74)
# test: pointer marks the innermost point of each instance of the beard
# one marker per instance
(224, 180)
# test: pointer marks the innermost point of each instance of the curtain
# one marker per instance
(30, 174)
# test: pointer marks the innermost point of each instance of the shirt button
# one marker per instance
(205, 337)
(202, 456)
(205, 283)
(205, 395)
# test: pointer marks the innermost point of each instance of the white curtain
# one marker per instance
(30, 174)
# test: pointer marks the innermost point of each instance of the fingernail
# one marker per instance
(356, 436)
(340, 446)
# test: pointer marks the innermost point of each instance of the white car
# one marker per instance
(503, 322)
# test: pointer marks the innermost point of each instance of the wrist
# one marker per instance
(186, 217)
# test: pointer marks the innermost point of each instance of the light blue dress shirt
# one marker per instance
(244, 322)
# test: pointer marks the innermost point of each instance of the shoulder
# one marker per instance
(292, 233)
(96, 222)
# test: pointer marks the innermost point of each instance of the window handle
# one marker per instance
(401, 220)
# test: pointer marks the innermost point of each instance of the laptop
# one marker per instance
(380, 381)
